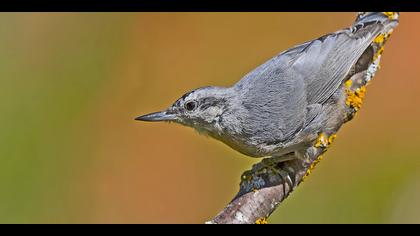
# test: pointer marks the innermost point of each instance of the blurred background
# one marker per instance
(71, 152)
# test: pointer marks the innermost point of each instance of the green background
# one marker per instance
(70, 151)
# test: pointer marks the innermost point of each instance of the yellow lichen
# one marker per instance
(331, 139)
(380, 51)
(261, 221)
(391, 15)
(379, 39)
(321, 141)
(348, 83)
(311, 168)
(355, 99)
(324, 141)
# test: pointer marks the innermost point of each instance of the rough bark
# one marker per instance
(263, 187)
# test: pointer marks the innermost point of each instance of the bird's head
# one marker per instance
(202, 109)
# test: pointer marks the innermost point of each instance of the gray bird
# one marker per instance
(283, 105)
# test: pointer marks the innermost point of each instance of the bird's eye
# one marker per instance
(190, 105)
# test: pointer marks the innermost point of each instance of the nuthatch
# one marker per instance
(289, 102)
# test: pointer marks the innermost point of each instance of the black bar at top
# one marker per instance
(207, 5)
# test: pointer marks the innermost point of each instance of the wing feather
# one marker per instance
(276, 94)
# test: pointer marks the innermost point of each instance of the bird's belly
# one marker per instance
(249, 148)
(260, 150)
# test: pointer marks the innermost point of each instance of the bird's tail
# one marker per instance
(376, 16)
(389, 20)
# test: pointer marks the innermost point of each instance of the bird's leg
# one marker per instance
(269, 172)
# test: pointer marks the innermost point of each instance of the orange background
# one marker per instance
(70, 151)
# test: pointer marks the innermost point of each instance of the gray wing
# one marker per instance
(276, 94)
(324, 63)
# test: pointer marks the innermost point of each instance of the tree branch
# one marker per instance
(263, 187)
(271, 181)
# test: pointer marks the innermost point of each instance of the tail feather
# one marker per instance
(389, 20)
(363, 17)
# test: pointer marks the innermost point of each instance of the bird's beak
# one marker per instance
(157, 116)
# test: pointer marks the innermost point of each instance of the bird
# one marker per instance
(286, 104)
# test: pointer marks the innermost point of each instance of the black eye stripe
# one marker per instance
(205, 106)
(211, 102)
(203, 103)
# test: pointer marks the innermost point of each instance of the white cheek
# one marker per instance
(212, 113)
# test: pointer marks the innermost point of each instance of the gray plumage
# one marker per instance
(279, 107)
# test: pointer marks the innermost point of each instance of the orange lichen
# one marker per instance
(261, 221)
(355, 99)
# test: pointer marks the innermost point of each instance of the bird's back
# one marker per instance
(277, 95)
